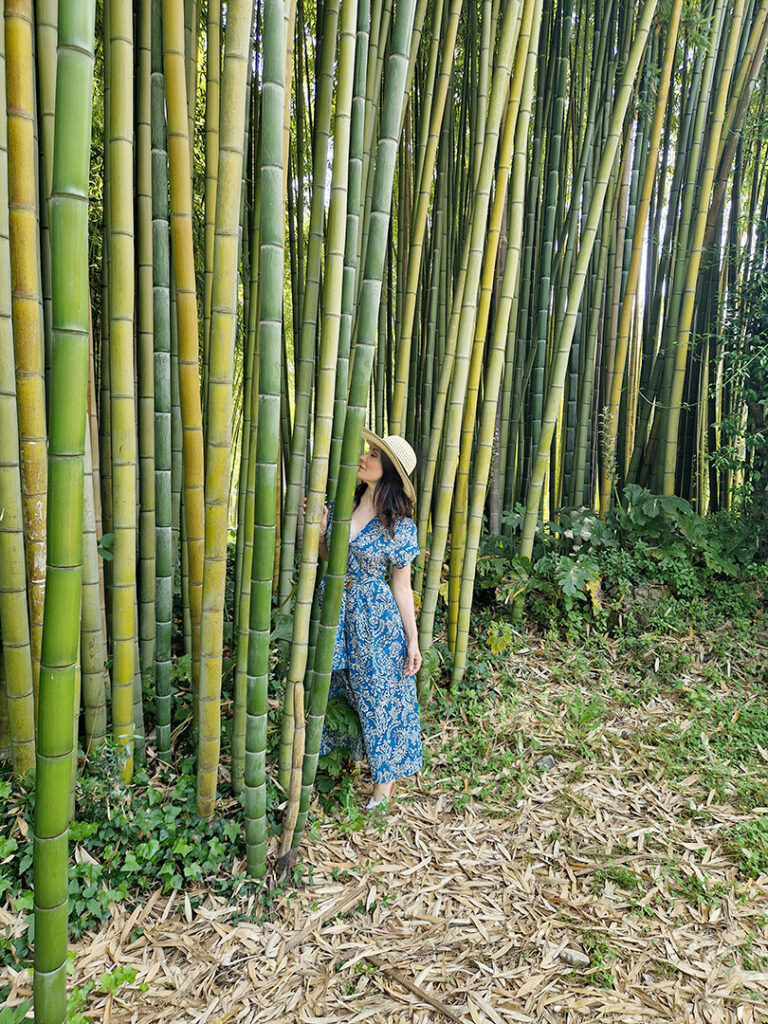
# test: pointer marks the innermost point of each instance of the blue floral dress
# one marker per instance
(370, 654)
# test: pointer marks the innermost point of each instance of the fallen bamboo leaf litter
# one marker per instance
(463, 913)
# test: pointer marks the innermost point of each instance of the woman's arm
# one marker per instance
(322, 545)
(403, 594)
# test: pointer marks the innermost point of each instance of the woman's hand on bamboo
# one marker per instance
(323, 518)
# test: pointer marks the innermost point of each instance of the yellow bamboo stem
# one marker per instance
(186, 311)
(26, 305)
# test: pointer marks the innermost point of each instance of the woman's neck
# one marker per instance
(367, 499)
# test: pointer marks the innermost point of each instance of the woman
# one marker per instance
(377, 656)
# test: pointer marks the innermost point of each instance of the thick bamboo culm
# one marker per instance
(69, 404)
(14, 613)
(26, 304)
(121, 375)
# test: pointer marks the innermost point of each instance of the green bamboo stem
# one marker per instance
(671, 322)
(370, 294)
(696, 250)
(622, 341)
(519, 114)
(381, 18)
(93, 655)
(5, 729)
(309, 313)
(245, 522)
(354, 188)
(406, 323)
(104, 447)
(93, 432)
(212, 103)
(161, 319)
(475, 368)
(122, 402)
(587, 370)
(139, 733)
(266, 453)
(69, 370)
(734, 118)
(46, 17)
(145, 343)
(191, 13)
(183, 267)
(551, 198)
(224, 310)
(177, 440)
(480, 97)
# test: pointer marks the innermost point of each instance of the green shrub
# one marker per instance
(652, 557)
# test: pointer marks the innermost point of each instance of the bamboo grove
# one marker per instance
(522, 233)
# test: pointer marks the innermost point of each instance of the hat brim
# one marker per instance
(379, 442)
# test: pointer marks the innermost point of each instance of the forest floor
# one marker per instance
(588, 842)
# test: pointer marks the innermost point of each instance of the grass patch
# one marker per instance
(717, 736)
(748, 842)
(695, 890)
(623, 877)
(480, 750)
(602, 959)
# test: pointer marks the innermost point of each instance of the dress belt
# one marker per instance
(350, 581)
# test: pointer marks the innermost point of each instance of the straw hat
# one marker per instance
(403, 457)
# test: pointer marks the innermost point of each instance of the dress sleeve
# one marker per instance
(405, 546)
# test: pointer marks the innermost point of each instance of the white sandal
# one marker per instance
(376, 803)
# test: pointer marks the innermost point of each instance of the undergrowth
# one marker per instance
(652, 559)
(125, 843)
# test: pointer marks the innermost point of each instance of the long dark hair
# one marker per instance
(389, 497)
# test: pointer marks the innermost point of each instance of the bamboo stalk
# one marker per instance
(309, 312)
(14, 614)
(183, 266)
(267, 442)
(69, 388)
(122, 401)
(696, 250)
(145, 344)
(161, 320)
(467, 298)
(517, 125)
(616, 379)
(26, 305)
(224, 310)
(360, 380)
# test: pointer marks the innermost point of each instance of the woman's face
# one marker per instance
(370, 469)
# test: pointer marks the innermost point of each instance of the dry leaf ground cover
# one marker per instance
(598, 809)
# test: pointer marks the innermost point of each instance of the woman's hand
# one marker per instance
(323, 519)
(413, 660)
(322, 545)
